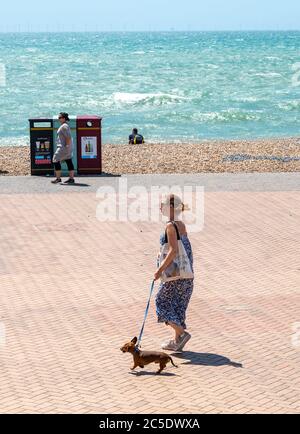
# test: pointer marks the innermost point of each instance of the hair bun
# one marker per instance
(185, 207)
(175, 202)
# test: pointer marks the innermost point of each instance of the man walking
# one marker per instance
(64, 150)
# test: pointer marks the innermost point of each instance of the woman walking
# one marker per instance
(173, 296)
(64, 150)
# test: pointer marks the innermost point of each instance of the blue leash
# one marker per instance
(146, 314)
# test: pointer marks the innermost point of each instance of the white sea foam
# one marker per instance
(268, 74)
(146, 98)
(290, 105)
(14, 141)
(230, 115)
(247, 99)
(213, 66)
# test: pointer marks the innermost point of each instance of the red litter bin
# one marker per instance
(89, 152)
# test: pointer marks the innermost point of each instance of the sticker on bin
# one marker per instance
(40, 159)
(89, 147)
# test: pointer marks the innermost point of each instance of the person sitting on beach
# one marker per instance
(135, 138)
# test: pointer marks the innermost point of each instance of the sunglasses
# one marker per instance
(60, 117)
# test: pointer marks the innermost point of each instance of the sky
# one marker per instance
(145, 15)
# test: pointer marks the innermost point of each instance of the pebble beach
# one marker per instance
(272, 155)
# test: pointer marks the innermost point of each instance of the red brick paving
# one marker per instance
(73, 292)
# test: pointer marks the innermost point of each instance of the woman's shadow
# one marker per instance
(206, 359)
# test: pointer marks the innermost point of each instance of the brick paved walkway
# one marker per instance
(73, 293)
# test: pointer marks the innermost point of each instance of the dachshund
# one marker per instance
(142, 358)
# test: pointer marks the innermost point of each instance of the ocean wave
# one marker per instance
(290, 105)
(213, 66)
(146, 98)
(226, 116)
(247, 99)
(267, 74)
(273, 58)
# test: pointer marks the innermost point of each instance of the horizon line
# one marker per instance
(150, 31)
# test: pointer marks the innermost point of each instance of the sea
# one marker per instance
(173, 86)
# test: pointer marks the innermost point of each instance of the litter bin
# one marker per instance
(72, 124)
(41, 146)
(89, 153)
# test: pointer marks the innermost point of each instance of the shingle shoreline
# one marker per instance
(264, 155)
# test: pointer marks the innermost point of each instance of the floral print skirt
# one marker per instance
(172, 301)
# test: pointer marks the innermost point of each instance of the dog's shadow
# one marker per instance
(193, 358)
(205, 359)
(162, 374)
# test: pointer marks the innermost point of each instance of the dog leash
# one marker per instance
(145, 317)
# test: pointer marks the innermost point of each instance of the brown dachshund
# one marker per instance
(142, 358)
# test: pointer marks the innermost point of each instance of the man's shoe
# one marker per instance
(69, 181)
(56, 181)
